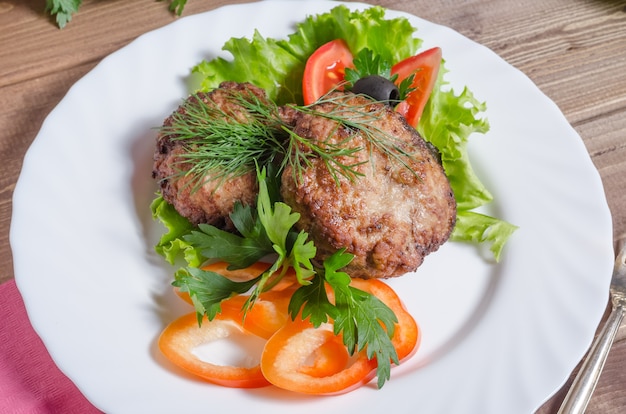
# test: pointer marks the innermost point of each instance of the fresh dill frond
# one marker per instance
(220, 144)
(331, 154)
(362, 119)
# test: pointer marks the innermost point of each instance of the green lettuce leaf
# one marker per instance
(172, 244)
(259, 61)
(278, 65)
(479, 228)
(447, 122)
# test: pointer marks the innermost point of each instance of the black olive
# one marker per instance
(378, 88)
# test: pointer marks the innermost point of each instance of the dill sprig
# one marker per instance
(301, 150)
(362, 119)
(221, 144)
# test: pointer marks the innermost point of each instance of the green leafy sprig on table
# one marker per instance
(63, 10)
(362, 319)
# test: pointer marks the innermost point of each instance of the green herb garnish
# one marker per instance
(367, 63)
(62, 10)
(222, 145)
(177, 6)
(362, 319)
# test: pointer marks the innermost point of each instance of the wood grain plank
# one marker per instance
(100, 28)
(605, 139)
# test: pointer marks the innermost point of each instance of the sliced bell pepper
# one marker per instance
(182, 340)
(305, 359)
(301, 358)
(296, 356)
(269, 312)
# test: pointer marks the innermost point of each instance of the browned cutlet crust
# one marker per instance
(391, 217)
(214, 200)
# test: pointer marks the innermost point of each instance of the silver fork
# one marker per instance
(585, 382)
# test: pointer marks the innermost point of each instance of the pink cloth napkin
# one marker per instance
(30, 382)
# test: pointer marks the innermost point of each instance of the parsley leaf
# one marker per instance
(207, 289)
(239, 252)
(364, 320)
(360, 323)
(312, 301)
(177, 6)
(278, 221)
(405, 88)
(62, 10)
(366, 63)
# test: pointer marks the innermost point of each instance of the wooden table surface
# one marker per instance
(574, 50)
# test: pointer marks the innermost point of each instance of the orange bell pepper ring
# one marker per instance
(290, 354)
(407, 335)
(182, 342)
(305, 359)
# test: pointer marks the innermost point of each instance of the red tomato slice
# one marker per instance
(325, 69)
(181, 341)
(425, 66)
(301, 358)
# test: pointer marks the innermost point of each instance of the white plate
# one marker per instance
(496, 338)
